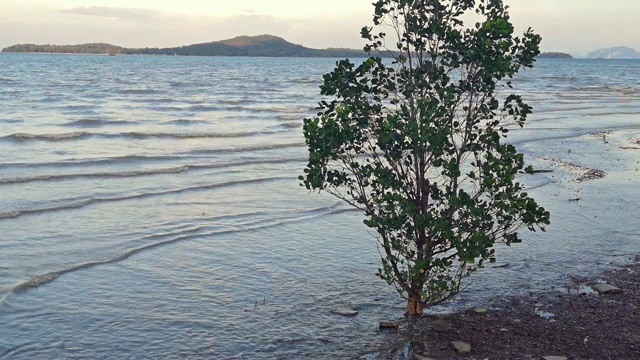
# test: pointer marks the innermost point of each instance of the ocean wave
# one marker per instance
(138, 91)
(145, 135)
(567, 109)
(91, 162)
(630, 91)
(289, 117)
(78, 107)
(46, 137)
(185, 122)
(36, 281)
(74, 205)
(306, 81)
(140, 173)
(91, 200)
(162, 107)
(254, 116)
(614, 113)
(270, 89)
(291, 124)
(182, 235)
(16, 180)
(126, 135)
(237, 101)
(9, 215)
(605, 89)
(49, 99)
(142, 158)
(294, 109)
(157, 100)
(246, 149)
(247, 163)
(211, 108)
(559, 77)
(96, 123)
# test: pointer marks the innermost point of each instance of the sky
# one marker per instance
(573, 26)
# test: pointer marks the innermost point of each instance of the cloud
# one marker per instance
(140, 27)
(137, 27)
(143, 16)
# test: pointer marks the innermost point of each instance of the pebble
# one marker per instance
(442, 326)
(461, 347)
(553, 357)
(389, 325)
(345, 312)
(607, 289)
(420, 357)
(481, 310)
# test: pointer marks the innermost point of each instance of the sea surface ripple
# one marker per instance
(150, 207)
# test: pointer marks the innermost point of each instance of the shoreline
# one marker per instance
(570, 322)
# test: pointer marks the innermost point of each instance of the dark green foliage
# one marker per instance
(67, 49)
(418, 144)
(554, 55)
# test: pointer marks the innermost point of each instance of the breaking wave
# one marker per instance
(82, 203)
(46, 137)
(138, 173)
(96, 123)
(125, 135)
(183, 235)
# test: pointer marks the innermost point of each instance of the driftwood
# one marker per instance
(541, 171)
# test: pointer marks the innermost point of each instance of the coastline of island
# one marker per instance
(258, 46)
(554, 55)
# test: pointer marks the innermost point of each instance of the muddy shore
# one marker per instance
(571, 322)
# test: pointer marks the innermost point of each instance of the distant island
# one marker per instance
(620, 52)
(555, 55)
(262, 45)
(67, 49)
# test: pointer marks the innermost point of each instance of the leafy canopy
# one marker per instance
(418, 143)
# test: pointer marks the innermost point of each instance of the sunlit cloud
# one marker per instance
(123, 14)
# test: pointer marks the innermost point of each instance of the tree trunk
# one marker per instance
(414, 305)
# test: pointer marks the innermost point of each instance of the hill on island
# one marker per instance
(555, 55)
(262, 45)
(620, 52)
(97, 48)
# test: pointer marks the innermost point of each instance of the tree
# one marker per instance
(417, 143)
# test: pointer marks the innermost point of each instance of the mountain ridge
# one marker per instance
(555, 55)
(261, 45)
(618, 52)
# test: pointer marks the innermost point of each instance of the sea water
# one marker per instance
(150, 207)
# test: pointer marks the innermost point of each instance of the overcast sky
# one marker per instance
(575, 26)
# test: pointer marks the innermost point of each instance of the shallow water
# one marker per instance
(150, 209)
